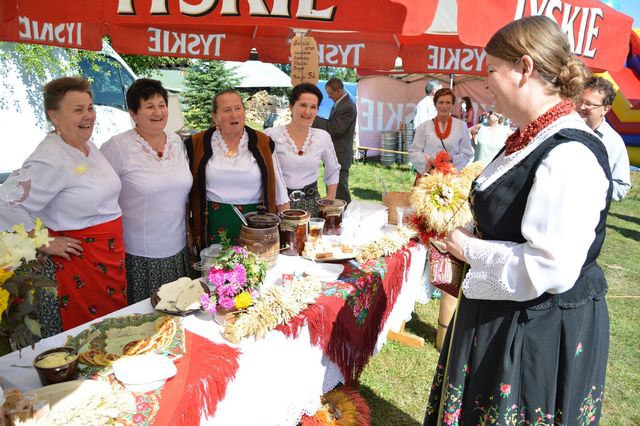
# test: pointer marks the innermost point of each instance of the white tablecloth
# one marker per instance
(279, 378)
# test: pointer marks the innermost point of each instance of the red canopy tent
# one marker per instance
(430, 36)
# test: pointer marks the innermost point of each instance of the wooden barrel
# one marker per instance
(265, 242)
(393, 200)
(448, 305)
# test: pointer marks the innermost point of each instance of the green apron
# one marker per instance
(223, 220)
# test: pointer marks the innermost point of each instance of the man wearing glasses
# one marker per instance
(341, 125)
(595, 102)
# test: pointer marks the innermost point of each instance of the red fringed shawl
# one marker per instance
(348, 317)
(203, 374)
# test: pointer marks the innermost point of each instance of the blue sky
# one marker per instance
(631, 8)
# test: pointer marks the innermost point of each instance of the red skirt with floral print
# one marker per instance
(93, 284)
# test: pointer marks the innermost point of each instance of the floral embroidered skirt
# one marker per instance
(93, 284)
(222, 219)
(503, 364)
(145, 274)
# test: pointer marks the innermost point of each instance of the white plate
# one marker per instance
(327, 272)
(143, 373)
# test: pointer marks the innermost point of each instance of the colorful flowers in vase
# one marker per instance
(236, 277)
(439, 199)
(20, 275)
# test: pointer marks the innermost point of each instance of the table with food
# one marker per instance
(257, 339)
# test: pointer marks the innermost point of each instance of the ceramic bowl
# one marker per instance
(62, 373)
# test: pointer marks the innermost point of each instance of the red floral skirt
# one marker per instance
(93, 284)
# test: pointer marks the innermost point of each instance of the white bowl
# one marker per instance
(144, 373)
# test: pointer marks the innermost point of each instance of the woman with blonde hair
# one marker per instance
(530, 337)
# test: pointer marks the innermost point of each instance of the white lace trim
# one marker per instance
(220, 149)
(82, 164)
(149, 158)
(503, 164)
(17, 187)
(306, 146)
(490, 257)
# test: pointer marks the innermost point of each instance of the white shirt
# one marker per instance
(62, 186)
(425, 111)
(154, 193)
(562, 211)
(426, 143)
(489, 140)
(301, 170)
(618, 159)
(237, 179)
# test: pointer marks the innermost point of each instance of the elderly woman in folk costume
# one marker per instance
(70, 185)
(531, 334)
(154, 172)
(232, 165)
(443, 133)
(301, 148)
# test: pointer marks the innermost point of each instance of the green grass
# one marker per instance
(397, 380)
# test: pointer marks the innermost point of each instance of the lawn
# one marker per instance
(396, 381)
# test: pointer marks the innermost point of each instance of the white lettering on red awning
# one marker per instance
(587, 30)
(175, 43)
(340, 54)
(455, 59)
(69, 33)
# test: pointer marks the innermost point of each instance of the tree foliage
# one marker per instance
(203, 80)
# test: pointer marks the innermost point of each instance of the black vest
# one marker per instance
(498, 211)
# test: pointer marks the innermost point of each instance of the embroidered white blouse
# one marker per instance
(236, 179)
(154, 193)
(302, 170)
(425, 142)
(62, 186)
(562, 211)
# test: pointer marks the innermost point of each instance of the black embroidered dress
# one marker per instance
(538, 362)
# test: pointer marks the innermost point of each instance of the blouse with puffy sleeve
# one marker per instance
(62, 186)
(154, 193)
(427, 143)
(236, 179)
(300, 166)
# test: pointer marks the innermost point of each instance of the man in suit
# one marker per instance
(341, 125)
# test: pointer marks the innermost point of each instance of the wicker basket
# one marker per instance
(445, 271)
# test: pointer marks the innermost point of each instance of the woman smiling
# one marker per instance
(301, 148)
(444, 132)
(69, 184)
(154, 171)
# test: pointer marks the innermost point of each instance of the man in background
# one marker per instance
(341, 125)
(426, 110)
(595, 101)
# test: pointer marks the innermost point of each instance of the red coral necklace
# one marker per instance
(519, 140)
(447, 129)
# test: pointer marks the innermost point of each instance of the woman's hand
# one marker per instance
(454, 242)
(63, 247)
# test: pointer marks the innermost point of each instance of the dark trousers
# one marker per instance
(342, 193)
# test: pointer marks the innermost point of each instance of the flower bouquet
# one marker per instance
(440, 205)
(20, 275)
(235, 276)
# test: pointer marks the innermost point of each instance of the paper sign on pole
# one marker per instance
(304, 60)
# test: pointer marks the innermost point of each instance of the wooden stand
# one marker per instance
(447, 307)
(406, 338)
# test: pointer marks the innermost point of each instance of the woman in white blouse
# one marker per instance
(443, 133)
(301, 148)
(530, 337)
(232, 166)
(154, 171)
(69, 184)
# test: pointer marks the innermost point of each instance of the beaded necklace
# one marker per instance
(519, 140)
(447, 129)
